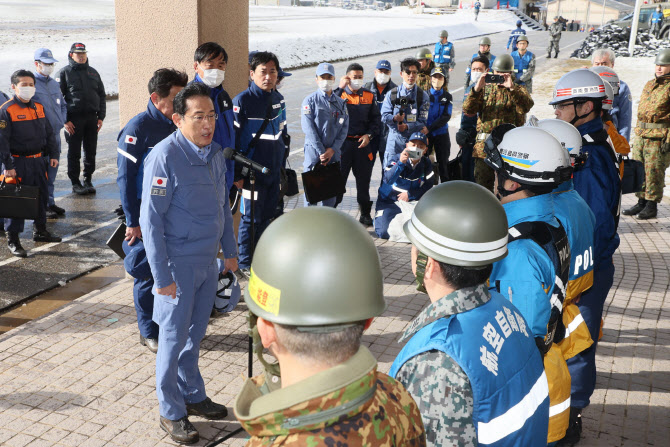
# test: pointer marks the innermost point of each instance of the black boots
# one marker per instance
(78, 189)
(365, 218)
(633, 210)
(89, 186)
(41, 234)
(14, 245)
(574, 432)
(650, 210)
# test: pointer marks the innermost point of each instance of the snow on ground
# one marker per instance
(299, 36)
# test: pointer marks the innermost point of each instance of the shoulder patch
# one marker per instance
(630, 97)
(306, 110)
(236, 109)
(161, 182)
(3, 124)
(130, 139)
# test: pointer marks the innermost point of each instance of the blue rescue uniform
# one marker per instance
(415, 117)
(439, 142)
(521, 64)
(514, 36)
(185, 217)
(622, 110)
(251, 108)
(135, 141)
(378, 145)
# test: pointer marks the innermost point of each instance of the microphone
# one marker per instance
(232, 154)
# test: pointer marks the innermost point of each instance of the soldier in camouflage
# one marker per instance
(310, 299)
(555, 30)
(425, 58)
(455, 351)
(652, 145)
(496, 104)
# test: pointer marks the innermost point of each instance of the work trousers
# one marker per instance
(86, 132)
(32, 172)
(441, 146)
(361, 161)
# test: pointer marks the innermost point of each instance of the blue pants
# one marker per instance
(52, 172)
(144, 307)
(583, 366)
(361, 162)
(265, 209)
(385, 211)
(33, 172)
(183, 324)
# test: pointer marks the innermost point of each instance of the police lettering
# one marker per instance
(585, 260)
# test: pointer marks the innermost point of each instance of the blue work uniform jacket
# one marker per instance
(657, 17)
(439, 112)
(415, 118)
(514, 36)
(185, 215)
(402, 177)
(250, 109)
(444, 54)
(144, 131)
(521, 64)
(622, 110)
(599, 185)
(47, 93)
(526, 276)
(325, 122)
(224, 132)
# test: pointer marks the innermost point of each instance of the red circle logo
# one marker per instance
(160, 182)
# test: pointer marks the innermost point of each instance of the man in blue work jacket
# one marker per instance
(135, 141)
(185, 217)
(514, 35)
(437, 123)
(47, 93)
(405, 110)
(656, 21)
(209, 62)
(325, 122)
(578, 97)
(444, 54)
(261, 143)
(622, 108)
(380, 86)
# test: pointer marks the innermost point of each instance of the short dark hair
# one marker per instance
(354, 67)
(483, 59)
(330, 348)
(164, 79)
(209, 50)
(409, 62)
(262, 58)
(190, 91)
(15, 78)
(460, 277)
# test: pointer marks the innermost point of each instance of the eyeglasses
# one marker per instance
(411, 72)
(563, 105)
(200, 118)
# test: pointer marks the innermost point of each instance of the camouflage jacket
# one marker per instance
(350, 404)
(423, 78)
(555, 30)
(497, 105)
(654, 107)
(439, 386)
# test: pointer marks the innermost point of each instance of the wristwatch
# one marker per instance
(370, 136)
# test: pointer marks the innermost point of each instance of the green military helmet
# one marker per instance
(522, 39)
(663, 57)
(315, 267)
(503, 64)
(424, 53)
(485, 41)
(444, 33)
(459, 223)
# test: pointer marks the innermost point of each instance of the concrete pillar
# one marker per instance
(153, 34)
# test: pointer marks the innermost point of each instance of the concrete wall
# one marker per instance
(153, 34)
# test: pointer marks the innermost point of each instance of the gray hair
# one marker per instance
(603, 52)
(331, 348)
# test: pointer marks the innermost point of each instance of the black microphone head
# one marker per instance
(228, 153)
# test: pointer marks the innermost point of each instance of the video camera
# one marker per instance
(403, 101)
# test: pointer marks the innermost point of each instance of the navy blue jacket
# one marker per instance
(47, 93)
(135, 141)
(402, 177)
(439, 112)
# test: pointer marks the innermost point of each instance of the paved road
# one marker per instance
(90, 219)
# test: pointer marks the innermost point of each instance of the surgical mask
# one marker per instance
(46, 69)
(356, 83)
(326, 85)
(475, 75)
(382, 78)
(437, 85)
(408, 85)
(213, 77)
(25, 93)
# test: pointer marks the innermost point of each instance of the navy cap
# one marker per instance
(78, 47)
(252, 54)
(44, 55)
(283, 74)
(383, 65)
(136, 262)
(419, 136)
(325, 68)
(437, 70)
(519, 23)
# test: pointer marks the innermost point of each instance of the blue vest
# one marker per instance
(657, 17)
(521, 63)
(442, 54)
(509, 386)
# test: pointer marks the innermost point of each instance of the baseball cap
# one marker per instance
(325, 68)
(78, 47)
(383, 65)
(419, 136)
(252, 54)
(437, 70)
(283, 74)
(44, 55)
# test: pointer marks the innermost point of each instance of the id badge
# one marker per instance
(411, 118)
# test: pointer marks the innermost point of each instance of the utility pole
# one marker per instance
(633, 28)
(602, 18)
(588, 14)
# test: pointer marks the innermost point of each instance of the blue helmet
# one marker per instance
(228, 291)
(136, 262)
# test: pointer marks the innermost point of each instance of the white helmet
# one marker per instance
(609, 101)
(609, 75)
(579, 84)
(569, 137)
(530, 156)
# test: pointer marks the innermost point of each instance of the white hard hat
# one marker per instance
(579, 84)
(609, 75)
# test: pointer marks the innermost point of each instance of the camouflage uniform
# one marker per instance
(383, 412)
(555, 30)
(438, 384)
(423, 79)
(653, 145)
(495, 105)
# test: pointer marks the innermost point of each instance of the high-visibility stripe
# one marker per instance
(126, 154)
(236, 124)
(469, 246)
(246, 194)
(579, 319)
(430, 175)
(559, 408)
(398, 189)
(555, 302)
(514, 418)
(268, 137)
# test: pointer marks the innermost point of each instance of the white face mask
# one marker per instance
(382, 78)
(356, 84)
(475, 75)
(46, 70)
(213, 77)
(326, 85)
(25, 93)
(407, 85)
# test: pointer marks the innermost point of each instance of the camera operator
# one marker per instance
(497, 100)
(405, 110)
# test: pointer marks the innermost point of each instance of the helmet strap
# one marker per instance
(421, 261)
(577, 116)
(271, 369)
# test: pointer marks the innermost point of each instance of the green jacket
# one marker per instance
(654, 107)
